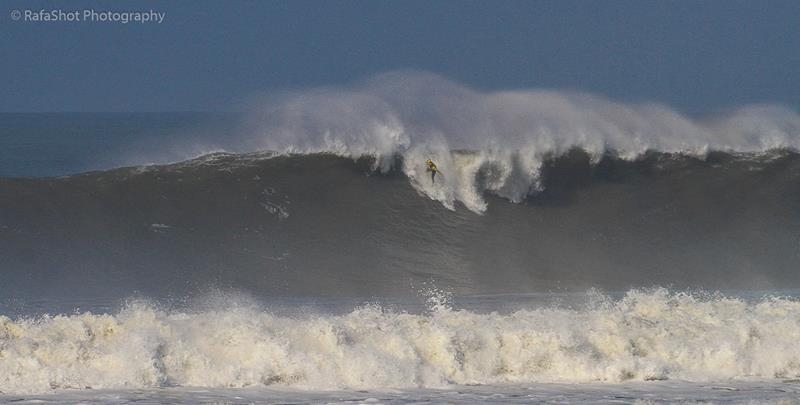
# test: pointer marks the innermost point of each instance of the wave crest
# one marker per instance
(421, 115)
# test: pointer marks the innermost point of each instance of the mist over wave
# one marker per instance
(646, 335)
(420, 115)
(414, 115)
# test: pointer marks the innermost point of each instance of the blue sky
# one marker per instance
(696, 56)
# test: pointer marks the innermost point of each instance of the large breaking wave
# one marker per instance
(421, 115)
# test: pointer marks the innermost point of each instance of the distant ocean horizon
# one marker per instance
(40, 144)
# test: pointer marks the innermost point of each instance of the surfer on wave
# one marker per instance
(433, 169)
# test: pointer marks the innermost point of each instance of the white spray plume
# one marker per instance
(509, 133)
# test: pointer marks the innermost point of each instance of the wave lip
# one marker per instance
(646, 335)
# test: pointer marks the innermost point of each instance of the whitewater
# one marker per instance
(644, 336)
(573, 248)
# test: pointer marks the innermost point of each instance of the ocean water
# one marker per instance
(572, 250)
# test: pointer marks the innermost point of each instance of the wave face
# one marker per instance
(646, 335)
(321, 225)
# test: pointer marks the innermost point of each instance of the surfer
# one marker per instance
(433, 169)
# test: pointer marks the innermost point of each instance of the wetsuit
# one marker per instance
(432, 168)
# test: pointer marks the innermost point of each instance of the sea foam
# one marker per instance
(645, 335)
